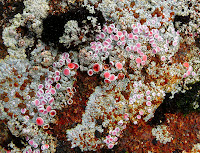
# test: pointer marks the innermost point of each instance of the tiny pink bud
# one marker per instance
(66, 71)
(53, 91)
(106, 74)
(57, 73)
(39, 121)
(71, 65)
(90, 72)
(148, 103)
(48, 108)
(119, 65)
(52, 113)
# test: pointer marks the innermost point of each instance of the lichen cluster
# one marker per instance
(84, 73)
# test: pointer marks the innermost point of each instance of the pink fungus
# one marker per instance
(58, 85)
(110, 146)
(116, 38)
(48, 108)
(157, 49)
(126, 116)
(135, 30)
(102, 35)
(90, 72)
(115, 139)
(76, 66)
(51, 100)
(193, 73)
(112, 36)
(108, 40)
(119, 33)
(186, 64)
(106, 141)
(107, 74)
(109, 30)
(107, 81)
(139, 51)
(36, 102)
(141, 112)
(138, 116)
(31, 142)
(35, 145)
(130, 36)
(138, 60)
(148, 103)
(144, 58)
(154, 51)
(66, 71)
(39, 121)
(156, 36)
(120, 122)
(69, 89)
(138, 96)
(52, 113)
(108, 136)
(66, 55)
(104, 49)
(135, 37)
(96, 67)
(160, 38)
(135, 122)
(57, 73)
(163, 58)
(44, 112)
(128, 48)
(174, 43)
(148, 92)
(105, 43)
(23, 110)
(151, 41)
(117, 129)
(71, 65)
(188, 73)
(111, 139)
(69, 101)
(68, 60)
(114, 132)
(148, 97)
(112, 77)
(119, 65)
(124, 32)
(105, 29)
(154, 45)
(40, 86)
(135, 48)
(93, 47)
(53, 91)
(46, 146)
(123, 43)
(41, 110)
(42, 147)
(122, 38)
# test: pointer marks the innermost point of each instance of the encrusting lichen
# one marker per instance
(86, 73)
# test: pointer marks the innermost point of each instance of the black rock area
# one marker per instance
(6, 137)
(181, 103)
(53, 25)
(182, 20)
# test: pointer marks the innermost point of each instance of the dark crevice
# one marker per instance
(182, 20)
(53, 26)
(181, 103)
